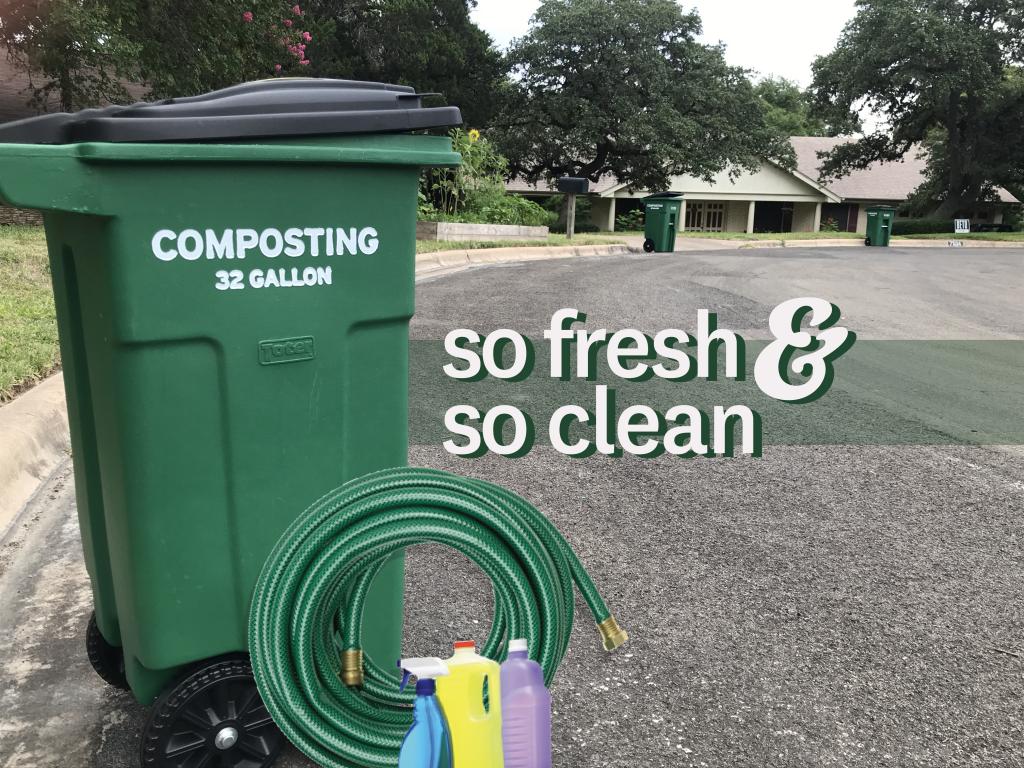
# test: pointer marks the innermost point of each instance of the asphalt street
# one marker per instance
(823, 605)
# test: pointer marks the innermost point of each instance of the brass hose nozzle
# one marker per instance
(612, 634)
(352, 668)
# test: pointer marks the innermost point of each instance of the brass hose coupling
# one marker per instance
(613, 635)
(352, 668)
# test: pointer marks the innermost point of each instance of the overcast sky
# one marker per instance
(781, 37)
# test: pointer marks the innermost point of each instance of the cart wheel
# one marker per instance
(649, 246)
(212, 717)
(106, 659)
(867, 241)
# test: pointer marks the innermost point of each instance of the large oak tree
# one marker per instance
(940, 73)
(623, 87)
(433, 45)
(788, 108)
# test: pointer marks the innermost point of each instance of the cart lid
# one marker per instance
(276, 108)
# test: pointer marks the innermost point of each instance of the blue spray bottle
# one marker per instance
(428, 744)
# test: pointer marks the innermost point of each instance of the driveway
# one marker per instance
(826, 605)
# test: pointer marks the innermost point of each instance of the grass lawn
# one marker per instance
(28, 326)
(1006, 237)
(431, 246)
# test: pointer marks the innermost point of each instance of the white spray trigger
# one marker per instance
(423, 669)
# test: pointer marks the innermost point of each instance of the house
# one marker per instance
(777, 199)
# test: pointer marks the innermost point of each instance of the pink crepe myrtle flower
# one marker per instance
(307, 37)
(287, 22)
(247, 17)
(278, 68)
(296, 10)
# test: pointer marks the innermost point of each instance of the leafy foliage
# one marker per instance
(475, 192)
(830, 225)
(622, 87)
(75, 51)
(1015, 218)
(788, 110)
(192, 47)
(430, 44)
(944, 72)
(634, 221)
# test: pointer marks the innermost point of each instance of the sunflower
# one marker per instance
(474, 136)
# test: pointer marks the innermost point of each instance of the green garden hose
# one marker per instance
(304, 629)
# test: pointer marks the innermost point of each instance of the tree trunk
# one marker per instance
(67, 90)
(948, 208)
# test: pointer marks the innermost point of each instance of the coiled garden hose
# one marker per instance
(304, 629)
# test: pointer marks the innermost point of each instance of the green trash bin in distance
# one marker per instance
(661, 221)
(234, 279)
(880, 221)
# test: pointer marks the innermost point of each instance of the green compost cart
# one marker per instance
(661, 221)
(880, 221)
(234, 280)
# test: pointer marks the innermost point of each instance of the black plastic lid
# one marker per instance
(266, 109)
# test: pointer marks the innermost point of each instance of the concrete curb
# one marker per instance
(428, 262)
(34, 437)
(964, 243)
(34, 440)
(850, 243)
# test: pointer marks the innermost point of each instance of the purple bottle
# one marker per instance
(525, 710)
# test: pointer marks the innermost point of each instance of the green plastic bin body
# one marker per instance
(880, 221)
(662, 221)
(212, 398)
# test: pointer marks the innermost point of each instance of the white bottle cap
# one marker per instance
(515, 646)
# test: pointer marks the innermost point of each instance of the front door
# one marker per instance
(705, 217)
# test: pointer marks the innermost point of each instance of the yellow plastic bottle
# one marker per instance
(471, 698)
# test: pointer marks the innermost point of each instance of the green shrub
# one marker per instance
(923, 226)
(630, 222)
(830, 225)
(1015, 218)
(475, 192)
(512, 209)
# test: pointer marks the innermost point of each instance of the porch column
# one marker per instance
(751, 210)
(602, 213)
(817, 218)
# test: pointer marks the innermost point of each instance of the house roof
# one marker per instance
(881, 181)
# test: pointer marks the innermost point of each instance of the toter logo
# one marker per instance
(287, 350)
